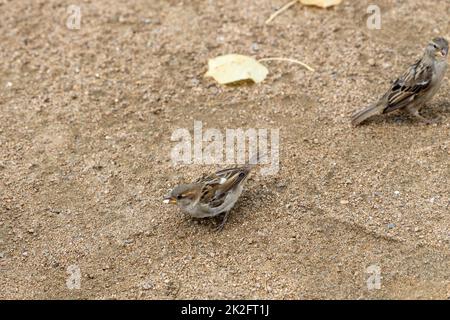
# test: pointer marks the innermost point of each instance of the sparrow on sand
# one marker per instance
(415, 87)
(211, 195)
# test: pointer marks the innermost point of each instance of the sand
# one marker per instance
(86, 118)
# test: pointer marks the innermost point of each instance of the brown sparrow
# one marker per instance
(211, 195)
(415, 87)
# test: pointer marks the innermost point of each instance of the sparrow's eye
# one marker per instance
(241, 175)
(180, 196)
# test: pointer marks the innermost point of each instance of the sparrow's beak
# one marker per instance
(170, 200)
(443, 52)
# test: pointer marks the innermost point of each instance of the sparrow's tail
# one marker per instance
(366, 113)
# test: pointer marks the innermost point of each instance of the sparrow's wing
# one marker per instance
(218, 185)
(411, 85)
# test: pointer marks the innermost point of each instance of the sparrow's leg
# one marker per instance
(224, 220)
(414, 110)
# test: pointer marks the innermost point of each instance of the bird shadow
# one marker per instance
(443, 107)
(439, 111)
(250, 198)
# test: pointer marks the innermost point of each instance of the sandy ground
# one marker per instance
(86, 118)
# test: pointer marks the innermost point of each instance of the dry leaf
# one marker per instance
(235, 67)
(321, 3)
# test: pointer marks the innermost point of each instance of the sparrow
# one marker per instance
(212, 194)
(415, 87)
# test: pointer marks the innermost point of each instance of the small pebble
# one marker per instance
(194, 82)
(255, 47)
(147, 285)
(281, 185)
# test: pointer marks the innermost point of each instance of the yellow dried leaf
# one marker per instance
(235, 67)
(321, 3)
